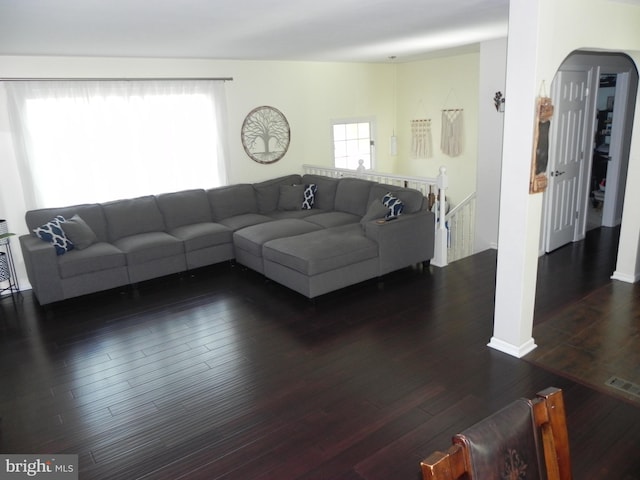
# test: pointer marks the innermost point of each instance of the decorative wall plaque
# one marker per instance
(538, 179)
(265, 134)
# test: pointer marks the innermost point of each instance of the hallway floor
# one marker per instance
(595, 336)
(595, 339)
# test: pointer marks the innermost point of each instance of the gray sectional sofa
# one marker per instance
(342, 240)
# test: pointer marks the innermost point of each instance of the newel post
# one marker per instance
(440, 247)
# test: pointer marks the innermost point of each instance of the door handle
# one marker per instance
(557, 173)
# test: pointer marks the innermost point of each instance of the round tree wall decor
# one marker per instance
(265, 134)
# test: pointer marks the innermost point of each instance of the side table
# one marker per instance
(8, 277)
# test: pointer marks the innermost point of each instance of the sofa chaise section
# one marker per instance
(248, 242)
(322, 261)
(353, 247)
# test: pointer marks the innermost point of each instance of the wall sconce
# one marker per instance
(498, 101)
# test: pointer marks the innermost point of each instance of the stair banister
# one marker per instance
(440, 247)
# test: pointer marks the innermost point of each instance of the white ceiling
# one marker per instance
(323, 30)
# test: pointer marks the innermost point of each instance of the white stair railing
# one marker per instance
(425, 185)
(441, 245)
(460, 222)
(454, 237)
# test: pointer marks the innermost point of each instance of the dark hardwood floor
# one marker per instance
(222, 374)
(594, 337)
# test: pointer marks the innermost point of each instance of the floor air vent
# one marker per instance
(624, 385)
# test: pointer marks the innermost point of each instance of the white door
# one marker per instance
(569, 127)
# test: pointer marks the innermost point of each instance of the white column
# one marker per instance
(520, 213)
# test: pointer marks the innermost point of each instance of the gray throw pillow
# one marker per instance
(77, 230)
(291, 197)
(375, 211)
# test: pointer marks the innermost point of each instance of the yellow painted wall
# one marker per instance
(425, 88)
(310, 94)
(571, 25)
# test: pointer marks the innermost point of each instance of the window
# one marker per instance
(94, 141)
(353, 141)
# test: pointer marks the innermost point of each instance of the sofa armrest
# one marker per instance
(405, 241)
(41, 263)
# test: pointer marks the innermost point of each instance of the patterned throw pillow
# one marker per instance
(309, 196)
(394, 205)
(51, 232)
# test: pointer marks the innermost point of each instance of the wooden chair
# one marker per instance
(527, 439)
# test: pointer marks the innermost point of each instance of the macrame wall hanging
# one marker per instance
(421, 144)
(452, 133)
(452, 138)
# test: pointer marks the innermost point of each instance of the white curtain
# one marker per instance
(94, 141)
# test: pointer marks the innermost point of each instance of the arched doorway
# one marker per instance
(591, 138)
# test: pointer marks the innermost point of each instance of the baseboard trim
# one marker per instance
(623, 277)
(517, 351)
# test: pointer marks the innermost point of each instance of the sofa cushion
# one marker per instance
(96, 257)
(412, 199)
(52, 232)
(133, 216)
(333, 219)
(291, 197)
(232, 200)
(352, 196)
(321, 251)
(148, 246)
(241, 221)
(184, 208)
(325, 196)
(278, 214)
(202, 235)
(79, 232)
(268, 192)
(252, 238)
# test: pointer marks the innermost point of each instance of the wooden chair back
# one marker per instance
(527, 439)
